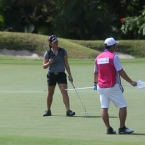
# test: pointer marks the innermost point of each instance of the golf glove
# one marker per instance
(95, 88)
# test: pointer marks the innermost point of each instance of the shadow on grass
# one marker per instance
(85, 116)
(134, 134)
(137, 134)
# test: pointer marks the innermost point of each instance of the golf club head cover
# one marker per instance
(95, 88)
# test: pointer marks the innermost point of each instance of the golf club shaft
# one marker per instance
(78, 96)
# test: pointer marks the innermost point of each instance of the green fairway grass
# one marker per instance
(23, 90)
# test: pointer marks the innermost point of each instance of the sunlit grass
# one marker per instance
(23, 102)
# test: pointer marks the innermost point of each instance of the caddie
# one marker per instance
(107, 72)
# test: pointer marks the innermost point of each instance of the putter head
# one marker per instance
(86, 113)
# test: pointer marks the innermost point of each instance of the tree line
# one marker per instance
(75, 19)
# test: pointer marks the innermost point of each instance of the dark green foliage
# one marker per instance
(25, 16)
(1, 16)
(84, 20)
(135, 25)
(75, 19)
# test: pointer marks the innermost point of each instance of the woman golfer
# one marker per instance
(56, 61)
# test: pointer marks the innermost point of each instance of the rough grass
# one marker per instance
(76, 48)
(132, 47)
(39, 44)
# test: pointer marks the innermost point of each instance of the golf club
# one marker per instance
(79, 98)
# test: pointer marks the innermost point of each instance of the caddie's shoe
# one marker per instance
(47, 113)
(70, 113)
(111, 131)
(125, 130)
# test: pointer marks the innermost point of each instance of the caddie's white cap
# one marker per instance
(110, 41)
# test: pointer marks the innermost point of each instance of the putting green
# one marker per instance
(23, 102)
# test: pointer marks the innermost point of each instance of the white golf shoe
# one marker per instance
(125, 130)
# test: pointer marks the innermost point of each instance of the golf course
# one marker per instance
(23, 102)
(23, 91)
